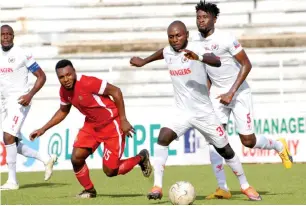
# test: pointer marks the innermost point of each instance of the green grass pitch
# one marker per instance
(276, 184)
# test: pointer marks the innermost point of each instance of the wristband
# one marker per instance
(200, 58)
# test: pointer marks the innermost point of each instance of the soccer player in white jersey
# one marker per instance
(185, 61)
(229, 91)
(16, 97)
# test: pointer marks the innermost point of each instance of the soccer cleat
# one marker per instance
(285, 154)
(251, 193)
(219, 194)
(145, 164)
(9, 186)
(85, 194)
(49, 167)
(156, 193)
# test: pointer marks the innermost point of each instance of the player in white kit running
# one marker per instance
(229, 92)
(194, 109)
(16, 97)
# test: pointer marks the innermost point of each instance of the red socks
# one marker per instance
(83, 177)
(128, 164)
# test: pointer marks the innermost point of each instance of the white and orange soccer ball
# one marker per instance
(182, 193)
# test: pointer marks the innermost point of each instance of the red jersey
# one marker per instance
(87, 96)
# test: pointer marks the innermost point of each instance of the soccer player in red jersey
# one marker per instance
(105, 122)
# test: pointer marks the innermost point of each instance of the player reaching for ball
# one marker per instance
(105, 122)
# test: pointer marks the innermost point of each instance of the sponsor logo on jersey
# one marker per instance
(184, 59)
(214, 47)
(11, 60)
(6, 70)
(180, 72)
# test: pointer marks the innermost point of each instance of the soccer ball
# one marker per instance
(182, 193)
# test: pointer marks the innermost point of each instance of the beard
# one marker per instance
(7, 48)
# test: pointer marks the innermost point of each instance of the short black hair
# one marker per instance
(63, 63)
(208, 8)
(8, 26)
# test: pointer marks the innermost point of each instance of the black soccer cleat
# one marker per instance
(156, 193)
(85, 194)
(145, 164)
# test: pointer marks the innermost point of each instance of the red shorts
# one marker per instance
(110, 135)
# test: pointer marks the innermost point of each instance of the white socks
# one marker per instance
(11, 156)
(161, 155)
(269, 144)
(236, 167)
(29, 152)
(218, 167)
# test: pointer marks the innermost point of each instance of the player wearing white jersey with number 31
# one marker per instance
(229, 92)
(185, 61)
(16, 97)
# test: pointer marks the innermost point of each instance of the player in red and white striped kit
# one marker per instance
(105, 122)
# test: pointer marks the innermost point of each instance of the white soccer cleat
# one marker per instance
(9, 186)
(49, 167)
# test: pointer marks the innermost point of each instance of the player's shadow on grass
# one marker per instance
(235, 195)
(265, 193)
(45, 184)
(120, 195)
(158, 202)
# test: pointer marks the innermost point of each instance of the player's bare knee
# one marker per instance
(166, 136)
(226, 152)
(76, 161)
(248, 140)
(8, 138)
(110, 172)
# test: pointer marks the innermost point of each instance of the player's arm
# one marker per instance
(59, 116)
(40, 75)
(139, 62)
(208, 83)
(245, 69)
(211, 60)
(236, 50)
(207, 58)
(116, 93)
(40, 81)
(102, 87)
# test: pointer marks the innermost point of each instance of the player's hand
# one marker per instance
(25, 100)
(127, 128)
(226, 98)
(36, 134)
(190, 54)
(137, 62)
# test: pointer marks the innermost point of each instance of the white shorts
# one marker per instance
(242, 109)
(208, 125)
(12, 117)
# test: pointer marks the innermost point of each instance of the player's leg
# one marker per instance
(222, 192)
(114, 143)
(113, 165)
(166, 135)
(84, 145)
(11, 156)
(214, 132)
(47, 160)
(12, 120)
(243, 116)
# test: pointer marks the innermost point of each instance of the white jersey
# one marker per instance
(189, 79)
(225, 46)
(14, 69)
